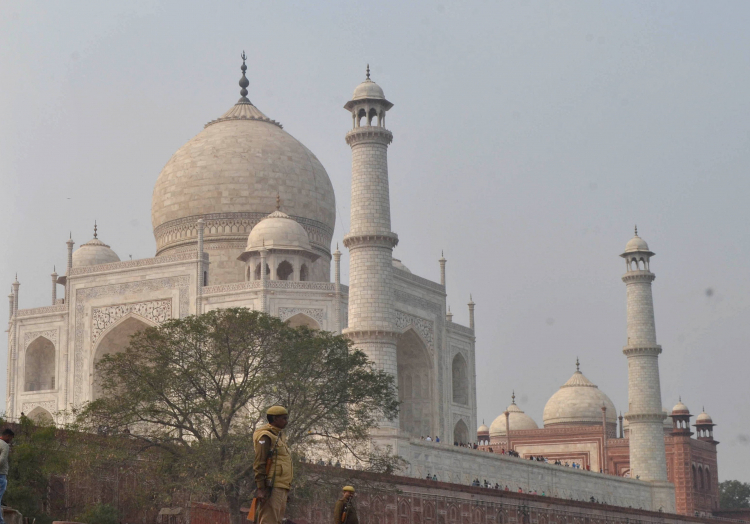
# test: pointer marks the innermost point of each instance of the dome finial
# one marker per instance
(578, 366)
(368, 71)
(244, 82)
(95, 229)
(278, 202)
(513, 397)
(679, 398)
(636, 230)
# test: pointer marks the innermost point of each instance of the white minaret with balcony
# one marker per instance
(370, 240)
(645, 416)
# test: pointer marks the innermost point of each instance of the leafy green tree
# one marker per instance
(196, 388)
(734, 494)
(38, 453)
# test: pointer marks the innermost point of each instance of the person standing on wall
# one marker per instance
(272, 467)
(5, 439)
(344, 512)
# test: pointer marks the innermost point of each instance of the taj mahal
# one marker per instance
(243, 216)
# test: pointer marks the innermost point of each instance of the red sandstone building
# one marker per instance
(580, 427)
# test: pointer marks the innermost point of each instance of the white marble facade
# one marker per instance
(240, 196)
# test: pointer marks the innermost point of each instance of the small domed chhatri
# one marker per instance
(680, 409)
(517, 420)
(368, 89)
(94, 252)
(278, 231)
(578, 402)
(636, 243)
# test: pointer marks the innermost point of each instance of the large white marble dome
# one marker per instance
(578, 402)
(230, 175)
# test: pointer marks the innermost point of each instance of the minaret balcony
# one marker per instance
(369, 134)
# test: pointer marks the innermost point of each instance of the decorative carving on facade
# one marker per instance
(426, 328)
(156, 311)
(317, 314)
(182, 283)
(291, 284)
(29, 337)
(127, 264)
(175, 232)
(49, 405)
(42, 310)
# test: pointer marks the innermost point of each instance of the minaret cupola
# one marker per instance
(681, 419)
(368, 104)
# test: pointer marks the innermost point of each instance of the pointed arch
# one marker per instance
(284, 271)
(416, 367)
(460, 380)
(461, 432)
(39, 365)
(300, 319)
(41, 416)
(115, 339)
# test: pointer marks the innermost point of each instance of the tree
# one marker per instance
(38, 454)
(734, 494)
(196, 388)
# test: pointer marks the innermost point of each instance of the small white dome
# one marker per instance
(517, 420)
(399, 265)
(368, 89)
(278, 231)
(680, 409)
(93, 253)
(636, 244)
(483, 429)
(578, 402)
(703, 418)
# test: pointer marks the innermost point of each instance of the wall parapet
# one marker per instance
(424, 282)
(136, 264)
(45, 310)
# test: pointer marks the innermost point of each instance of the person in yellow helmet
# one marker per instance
(272, 467)
(345, 512)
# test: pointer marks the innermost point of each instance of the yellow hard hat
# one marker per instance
(277, 410)
(348, 488)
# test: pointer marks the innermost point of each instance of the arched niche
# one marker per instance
(415, 381)
(115, 340)
(284, 271)
(41, 416)
(300, 319)
(461, 432)
(460, 380)
(39, 365)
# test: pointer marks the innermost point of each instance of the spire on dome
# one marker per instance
(244, 82)
(578, 366)
(636, 230)
(368, 71)
(278, 202)
(94, 228)
(513, 397)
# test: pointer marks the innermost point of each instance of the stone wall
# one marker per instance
(399, 500)
(461, 465)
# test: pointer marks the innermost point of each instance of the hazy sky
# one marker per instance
(529, 138)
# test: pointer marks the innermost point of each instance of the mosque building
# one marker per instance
(243, 216)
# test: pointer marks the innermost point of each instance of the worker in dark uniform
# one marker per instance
(345, 512)
(272, 467)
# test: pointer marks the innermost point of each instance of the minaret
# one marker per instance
(337, 287)
(54, 285)
(471, 311)
(645, 416)
(442, 268)
(370, 240)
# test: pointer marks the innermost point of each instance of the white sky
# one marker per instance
(529, 138)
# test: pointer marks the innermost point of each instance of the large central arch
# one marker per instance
(415, 385)
(115, 340)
